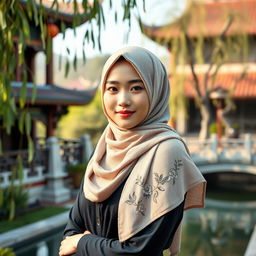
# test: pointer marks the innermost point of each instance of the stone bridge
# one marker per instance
(224, 155)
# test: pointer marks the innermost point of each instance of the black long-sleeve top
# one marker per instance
(101, 220)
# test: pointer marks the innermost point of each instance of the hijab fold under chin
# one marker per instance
(152, 157)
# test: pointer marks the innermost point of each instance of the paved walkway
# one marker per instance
(251, 249)
(27, 232)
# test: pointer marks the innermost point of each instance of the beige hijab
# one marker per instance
(152, 157)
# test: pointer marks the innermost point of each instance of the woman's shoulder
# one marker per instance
(171, 146)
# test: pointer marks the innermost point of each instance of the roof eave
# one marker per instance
(54, 95)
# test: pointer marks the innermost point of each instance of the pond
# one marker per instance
(223, 227)
(46, 244)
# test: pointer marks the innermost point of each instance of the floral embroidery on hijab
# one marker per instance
(149, 190)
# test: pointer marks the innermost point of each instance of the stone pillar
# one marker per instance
(55, 192)
(87, 148)
(248, 147)
(42, 249)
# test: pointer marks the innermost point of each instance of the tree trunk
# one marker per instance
(206, 116)
(228, 120)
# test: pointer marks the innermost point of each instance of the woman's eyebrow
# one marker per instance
(133, 81)
(112, 82)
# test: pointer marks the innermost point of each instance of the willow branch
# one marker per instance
(215, 52)
(191, 63)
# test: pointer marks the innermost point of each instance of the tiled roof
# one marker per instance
(245, 89)
(209, 19)
(67, 8)
(54, 95)
(63, 11)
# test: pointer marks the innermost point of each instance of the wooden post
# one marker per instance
(51, 122)
(18, 68)
(219, 121)
(49, 67)
(30, 62)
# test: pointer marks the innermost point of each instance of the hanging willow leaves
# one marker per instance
(27, 123)
(190, 50)
(22, 121)
(199, 50)
(20, 169)
(12, 209)
(23, 91)
(67, 67)
(48, 50)
(75, 61)
(34, 93)
(63, 29)
(18, 19)
(30, 149)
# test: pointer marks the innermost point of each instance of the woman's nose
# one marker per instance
(124, 99)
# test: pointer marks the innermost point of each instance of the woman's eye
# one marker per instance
(137, 88)
(112, 89)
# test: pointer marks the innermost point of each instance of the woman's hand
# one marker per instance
(69, 244)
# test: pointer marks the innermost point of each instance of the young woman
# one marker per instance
(140, 177)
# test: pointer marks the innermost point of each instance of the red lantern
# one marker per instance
(52, 30)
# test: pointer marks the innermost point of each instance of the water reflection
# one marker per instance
(222, 228)
(44, 245)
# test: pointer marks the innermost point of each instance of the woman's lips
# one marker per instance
(125, 113)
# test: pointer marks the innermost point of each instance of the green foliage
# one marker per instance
(213, 128)
(14, 33)
(6, 252)
(16, 19)
(13, 198)
(87, 119)
(77, 168)
(30, 216)
(178, 100)
(76, 173)
(213, 52)
(91, 70)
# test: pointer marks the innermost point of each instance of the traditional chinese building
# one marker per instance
(51, 102)
(207, 19)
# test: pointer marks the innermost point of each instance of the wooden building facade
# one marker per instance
(207, 18)
(50, 104)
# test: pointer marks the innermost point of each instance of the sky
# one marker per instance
(114, 36)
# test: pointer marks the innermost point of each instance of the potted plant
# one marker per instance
(6, 252)
(76, 173)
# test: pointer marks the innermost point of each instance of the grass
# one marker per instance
(30, 217)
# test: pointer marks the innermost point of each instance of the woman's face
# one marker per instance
(125, 97)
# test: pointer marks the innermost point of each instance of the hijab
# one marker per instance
(151, 158)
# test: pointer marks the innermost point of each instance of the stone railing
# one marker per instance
(242, 150)
(45, 174)
(32, 171)
(70, 151)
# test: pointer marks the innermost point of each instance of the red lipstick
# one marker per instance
(125, 113)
